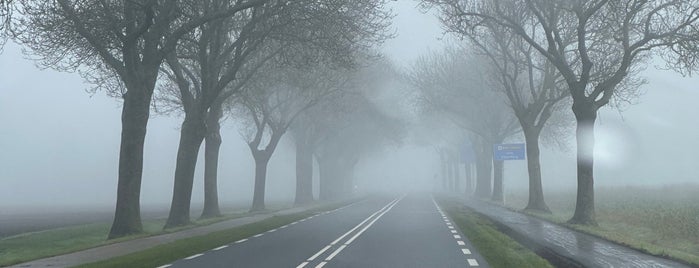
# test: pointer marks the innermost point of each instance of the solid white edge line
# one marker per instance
(337, 251)
(472, 262)
(221, 247)
(194, 256)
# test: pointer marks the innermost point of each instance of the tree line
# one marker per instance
(271, 65)
(518, 64)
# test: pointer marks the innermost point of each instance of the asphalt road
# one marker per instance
(404, 231)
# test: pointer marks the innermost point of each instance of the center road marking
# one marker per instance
(373, 216)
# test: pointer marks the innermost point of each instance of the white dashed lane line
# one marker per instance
(260, 234)
(471, 262)
(221, 247)
(194, 256)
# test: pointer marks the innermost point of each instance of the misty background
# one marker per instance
(59, 145)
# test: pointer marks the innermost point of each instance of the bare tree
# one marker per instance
(449, 83)
(533, 88)
(271, 103)
(6, 8)
(321, 121)
(205, 69)
(119, 45)
(221, 49)
(362, 131)
(597, 46)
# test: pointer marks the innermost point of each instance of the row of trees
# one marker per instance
(273, 64)
(540, 55)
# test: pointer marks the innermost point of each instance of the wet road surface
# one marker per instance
(585, 249)
(407, 231)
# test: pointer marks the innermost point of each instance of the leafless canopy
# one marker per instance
(595, 45)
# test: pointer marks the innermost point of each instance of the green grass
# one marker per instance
(498, 249)
(47, 243)
(167, 253)
(662, 221)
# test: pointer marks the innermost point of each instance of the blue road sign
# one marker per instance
(508, 152)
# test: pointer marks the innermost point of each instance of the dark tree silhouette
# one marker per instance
(597, 46)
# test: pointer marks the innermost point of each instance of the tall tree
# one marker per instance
(119, 45)
(361, 132)
(271, 103)
(597, 46)
(204, 70)
(318, 125)
(533, 88)
(448, 83)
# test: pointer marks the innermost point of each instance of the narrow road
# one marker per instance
(405, 231)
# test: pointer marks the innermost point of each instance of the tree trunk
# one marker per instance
(330, 181)
(258, 198)
(445, 176)
(324, 179)
(211, 153)
(484, 163)
(536, 192)
(191, 136)
(585, 116)
(457, 175)
(304, 174)
(469, 179)
(134, 120)
(498, 181)
(450, 174)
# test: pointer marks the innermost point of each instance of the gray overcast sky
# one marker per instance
(59, 145)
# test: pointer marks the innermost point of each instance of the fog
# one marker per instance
(59, 144)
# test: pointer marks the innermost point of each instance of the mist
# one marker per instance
(60, 143)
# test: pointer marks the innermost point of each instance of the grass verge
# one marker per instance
(36, 245)
(660, 221)
(498, 249)
(170, 252)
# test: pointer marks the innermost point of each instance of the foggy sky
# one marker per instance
(59, 145)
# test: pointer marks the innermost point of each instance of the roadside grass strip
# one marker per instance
(498, 249)
(194, 247)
